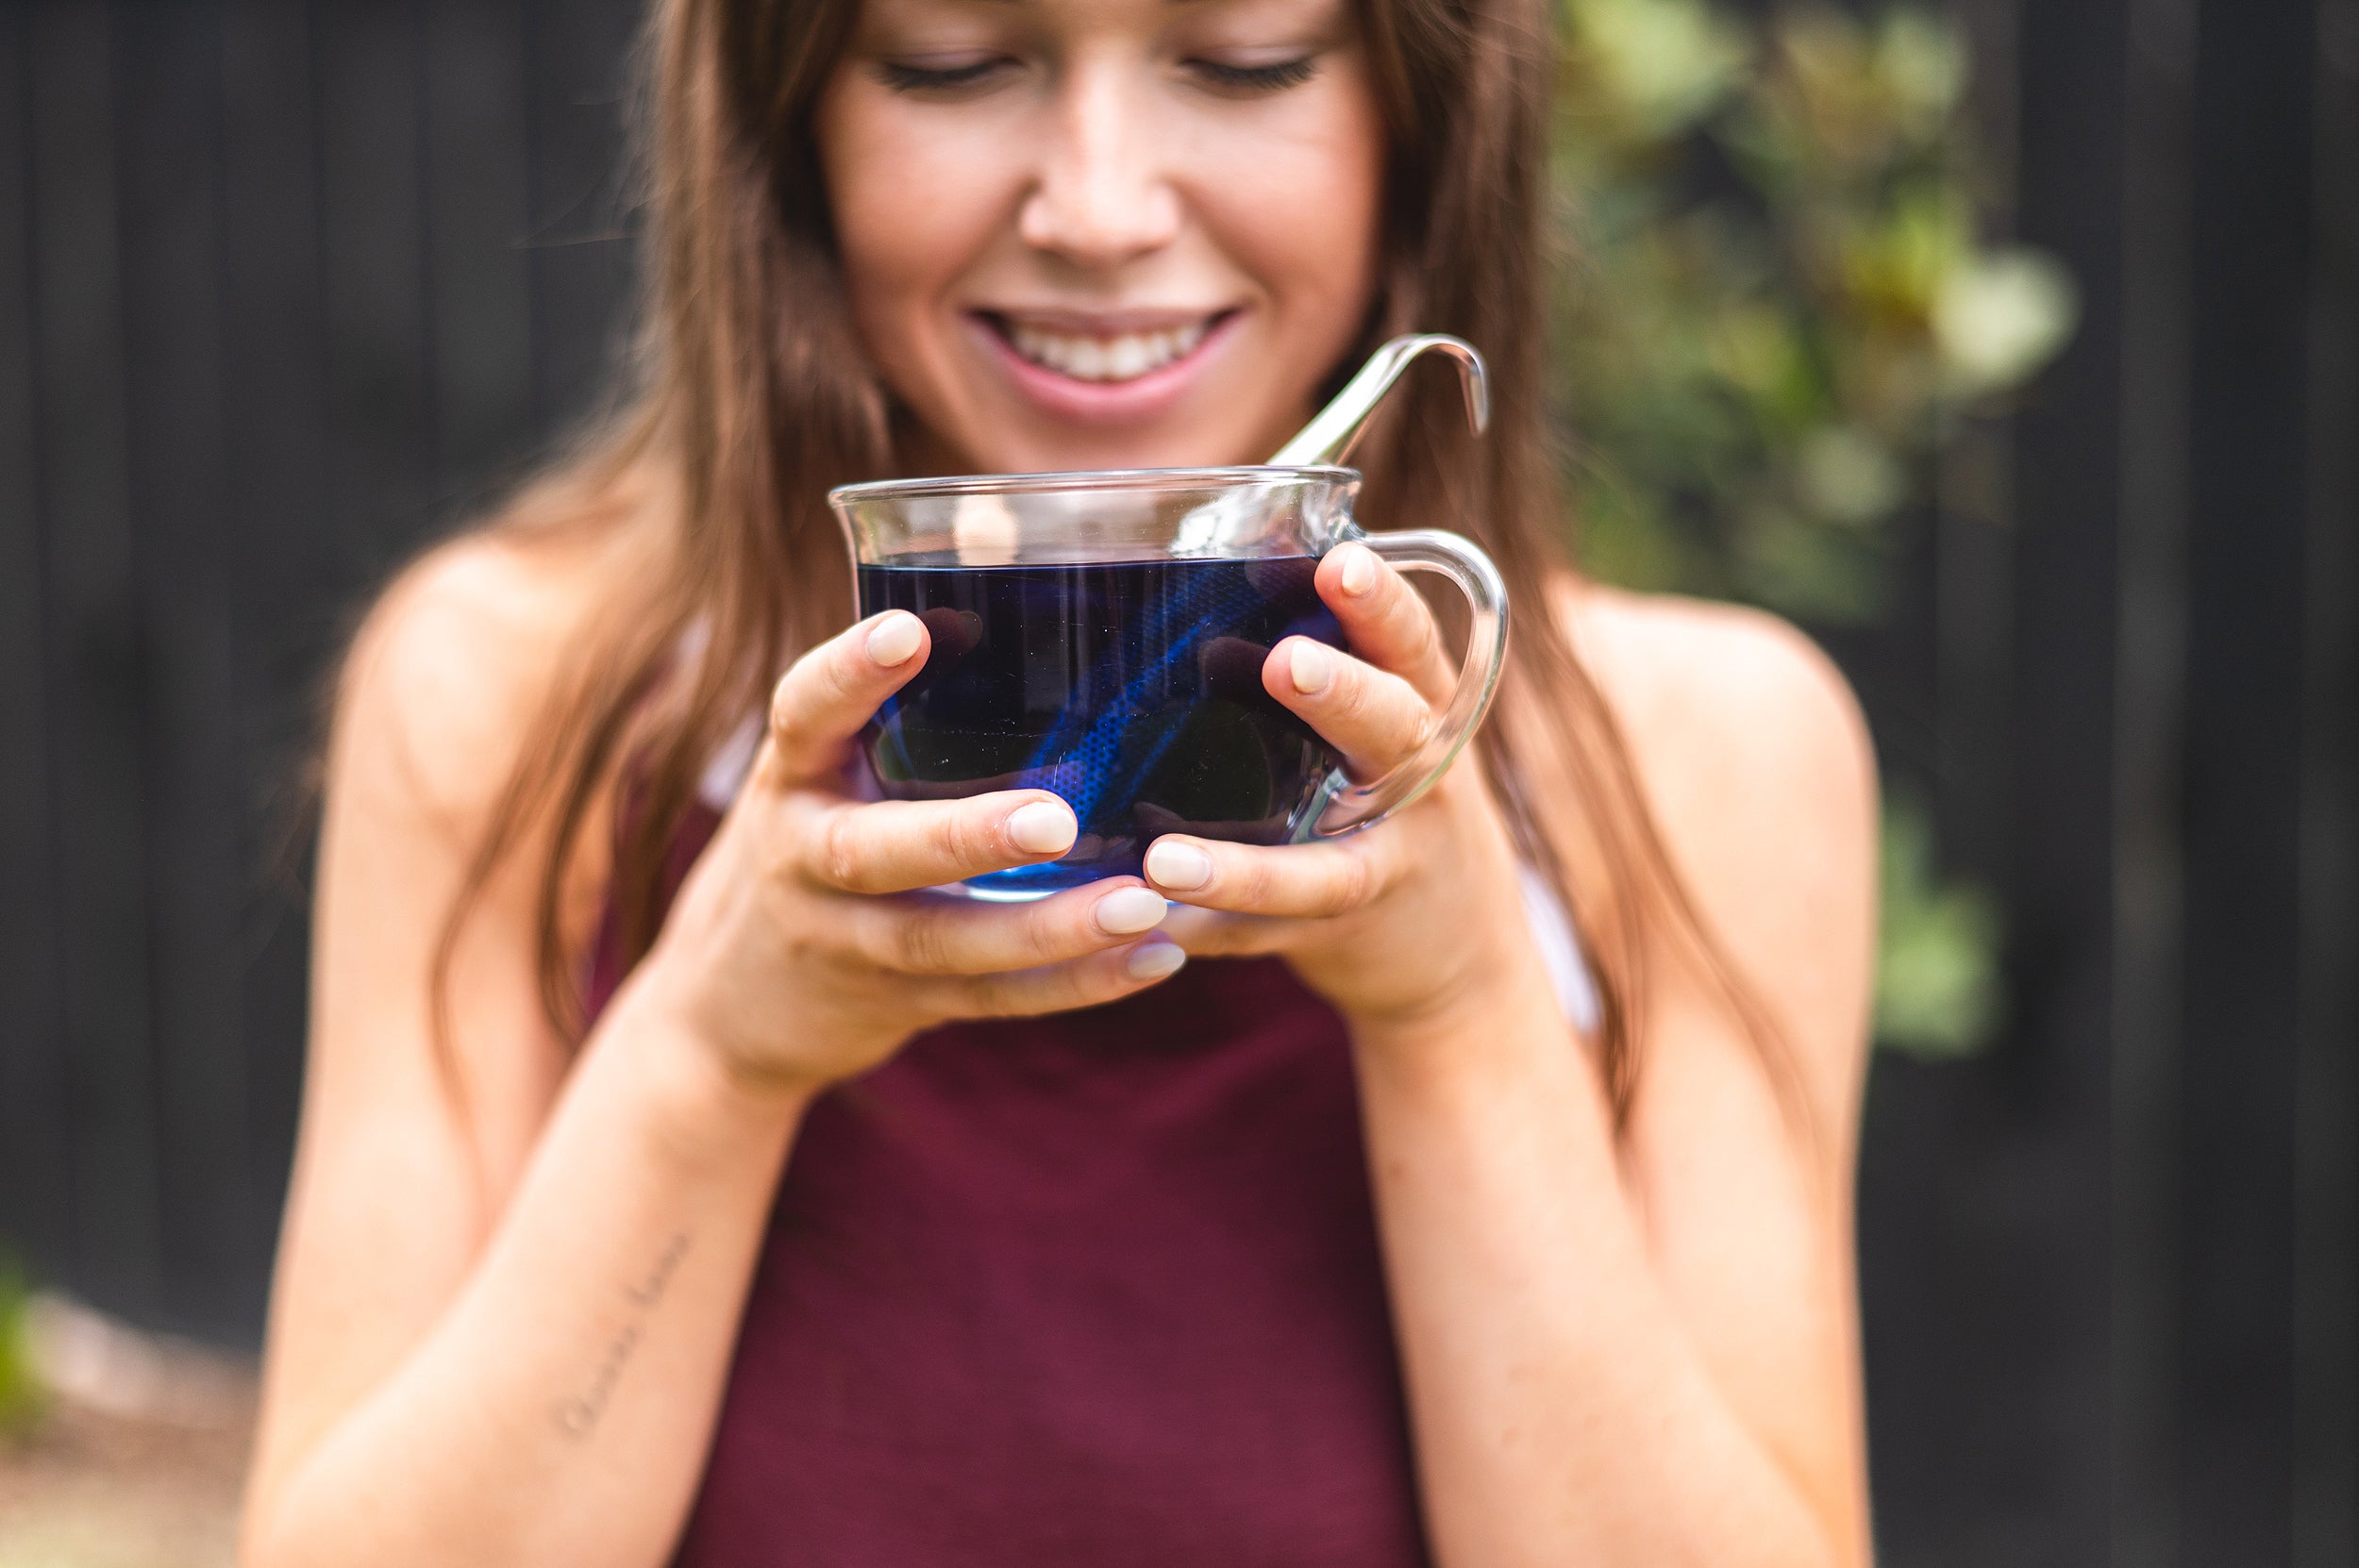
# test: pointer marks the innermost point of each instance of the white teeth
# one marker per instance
(1125, 356)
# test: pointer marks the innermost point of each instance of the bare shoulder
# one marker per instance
(1757, 763)
(452, 666)
(1692, 680)
(445, 686)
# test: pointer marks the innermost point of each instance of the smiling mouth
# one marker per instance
(1103, 357)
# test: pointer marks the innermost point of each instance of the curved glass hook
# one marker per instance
(1332, 432)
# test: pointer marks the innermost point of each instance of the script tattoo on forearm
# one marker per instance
(577, 1415)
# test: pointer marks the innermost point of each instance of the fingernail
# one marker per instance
(1311, 665)
(1178, 865)
(1042, 827)
(892, 640)
(1153, 960)
(1359, 573)
(1126, 911)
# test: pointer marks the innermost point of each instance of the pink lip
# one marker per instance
(1105, 403)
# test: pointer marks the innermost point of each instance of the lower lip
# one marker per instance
(1107, 403)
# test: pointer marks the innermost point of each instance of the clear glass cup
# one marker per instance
(1101, 636)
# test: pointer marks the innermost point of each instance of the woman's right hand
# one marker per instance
(803, 948)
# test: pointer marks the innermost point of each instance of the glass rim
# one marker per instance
(1069, 482)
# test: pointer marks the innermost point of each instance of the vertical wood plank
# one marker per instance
(2244, 539)
(288, 587)
(169, 101)
(2056, 1073)
(2326, 1131)
(477, 203)
(582, 257)
(373, 248)
(98, 678)
(2327, 1075)
(35, 1177)
(2150, 675)
(1972, 625)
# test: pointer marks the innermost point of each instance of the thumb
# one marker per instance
(829, 693)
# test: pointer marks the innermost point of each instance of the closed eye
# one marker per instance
(1255, 79)
(924, 80)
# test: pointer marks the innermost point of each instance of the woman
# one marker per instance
(789, 1214)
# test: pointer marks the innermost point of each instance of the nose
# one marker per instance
(1101, 196)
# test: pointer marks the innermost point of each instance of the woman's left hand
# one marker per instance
(1406, 921)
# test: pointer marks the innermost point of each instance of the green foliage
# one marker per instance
(1777, 306)
(20, 1391)
(1937, 990)
(1777, 311)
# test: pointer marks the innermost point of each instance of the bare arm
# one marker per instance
(495, 1289)
(1636, 1350)
(1574, 1399)
(1645, 1351)
(503, 1318)
(559, 1406)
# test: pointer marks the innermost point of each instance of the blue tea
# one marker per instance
(1132, 689)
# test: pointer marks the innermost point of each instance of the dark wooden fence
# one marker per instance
(283, 287)
(287, 288)
(2109, 1269)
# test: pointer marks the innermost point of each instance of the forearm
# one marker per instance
(1561, 1412)
(561, 1411)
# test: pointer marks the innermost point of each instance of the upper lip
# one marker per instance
(1102, 324)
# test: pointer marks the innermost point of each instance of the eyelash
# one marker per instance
(1258, 79)
(919, 78)
(1235, 78)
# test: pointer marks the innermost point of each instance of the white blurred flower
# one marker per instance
(1847, 477)
(1664, 62)
(1999, 318)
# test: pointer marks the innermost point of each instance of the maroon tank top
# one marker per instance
(1099, 1288)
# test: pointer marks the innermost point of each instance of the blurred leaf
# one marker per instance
(1896, 259)
(1653, 66)
(1780, 305)
(20, 1400)
(1922, 63)
(1781, 309)
(1847, 477)
(1816, 575)
(1937, 992)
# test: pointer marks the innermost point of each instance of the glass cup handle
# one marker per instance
(1343, 806)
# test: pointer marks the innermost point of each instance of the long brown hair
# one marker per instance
(754, 398)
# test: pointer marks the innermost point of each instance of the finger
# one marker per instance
(823, 701)
(1216, 934)
(1060, 988)
(1375, 718)
(957, 936)
(900, 845)
(1384, 620)
(1293, 881)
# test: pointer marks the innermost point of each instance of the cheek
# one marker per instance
(882, 167)
(1301, 210)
